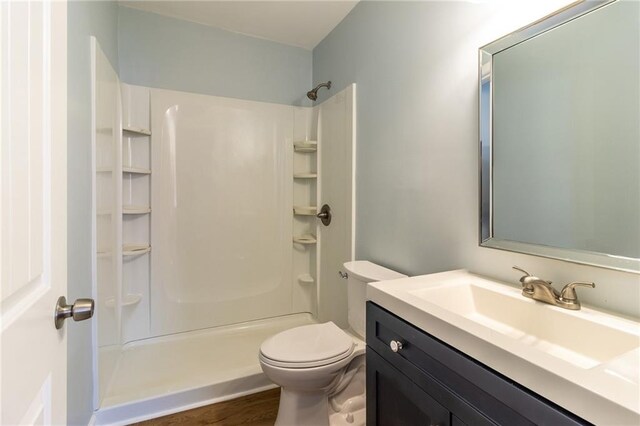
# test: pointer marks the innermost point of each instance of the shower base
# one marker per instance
(165, 375)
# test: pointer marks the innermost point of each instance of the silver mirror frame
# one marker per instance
(485, 97)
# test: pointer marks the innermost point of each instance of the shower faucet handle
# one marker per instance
(325, 215)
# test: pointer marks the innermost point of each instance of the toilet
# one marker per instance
(320, 367)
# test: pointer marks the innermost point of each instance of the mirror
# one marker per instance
(560, 137)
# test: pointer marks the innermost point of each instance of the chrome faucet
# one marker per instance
(538, 289)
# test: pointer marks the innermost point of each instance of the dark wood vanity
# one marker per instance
(426, 382)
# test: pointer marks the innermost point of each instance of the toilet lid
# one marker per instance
(308, 344)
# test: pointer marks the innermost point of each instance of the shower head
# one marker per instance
(313, 94)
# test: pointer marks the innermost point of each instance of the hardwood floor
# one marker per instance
(259, 409)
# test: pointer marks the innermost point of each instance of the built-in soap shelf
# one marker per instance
(305, 239)
(305, 279)
(305, 146)
(137, 131)
(305, 175)
(305, 210)
(104, 169)
(127, 300)
(135, 249)
(304, 193)
(136, 209)
(136, 170)
(136, 175)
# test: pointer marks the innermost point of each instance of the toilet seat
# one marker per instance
(307, 346)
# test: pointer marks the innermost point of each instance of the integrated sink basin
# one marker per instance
(565, 334)
(587, 360)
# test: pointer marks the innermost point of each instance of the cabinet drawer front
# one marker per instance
(394, 400)
(461, 382)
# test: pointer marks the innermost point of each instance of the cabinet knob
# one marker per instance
(395, 345)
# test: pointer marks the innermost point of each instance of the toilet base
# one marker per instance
(354, 418)
(347, 407)
(298, 408)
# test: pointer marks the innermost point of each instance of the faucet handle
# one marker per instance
(569, 291)
(523, 279)
(526, 274)
(526, 280)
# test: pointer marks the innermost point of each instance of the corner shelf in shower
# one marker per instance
(305, 279)
(137, 131)
(305, 146)
(305, 210)
(127, 300)
(136, 209)
(129, 250)
(136, 174)
(136, 170)
(305, 175)
(305, 239)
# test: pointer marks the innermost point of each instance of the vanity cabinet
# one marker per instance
(426, 382)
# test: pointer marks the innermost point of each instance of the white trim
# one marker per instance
(354, 152)
(94, 237)
(152, 408)
(92, 420)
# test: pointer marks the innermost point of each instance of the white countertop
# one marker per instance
(607, 393)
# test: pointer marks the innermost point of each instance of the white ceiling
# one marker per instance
(296, 23)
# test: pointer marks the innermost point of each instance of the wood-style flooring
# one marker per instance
(259, 409)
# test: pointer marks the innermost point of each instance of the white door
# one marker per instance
(33, 261)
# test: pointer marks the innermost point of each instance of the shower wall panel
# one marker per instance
(336, 165)
(106, 241)
(221, 211)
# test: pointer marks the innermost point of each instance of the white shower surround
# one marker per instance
(106, 205)
(222, 211)
(222, 256)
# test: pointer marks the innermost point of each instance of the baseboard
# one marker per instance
(163, 405)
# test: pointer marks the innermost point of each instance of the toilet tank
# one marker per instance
(361, 272)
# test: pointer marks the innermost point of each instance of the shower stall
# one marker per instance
(207, 240)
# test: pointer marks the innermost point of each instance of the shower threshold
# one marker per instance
(168, 374)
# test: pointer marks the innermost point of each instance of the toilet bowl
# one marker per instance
(320, 367)
(309, 363)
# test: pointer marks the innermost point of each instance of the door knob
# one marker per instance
(325, 215)
(81, 310)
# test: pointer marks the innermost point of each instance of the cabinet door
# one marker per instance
(394, 400)
(455, 421)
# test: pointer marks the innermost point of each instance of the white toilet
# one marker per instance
(320, 367)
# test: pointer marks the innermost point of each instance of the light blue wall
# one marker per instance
(169, 53)
(415, 66)
(406, 206)
(85, 18)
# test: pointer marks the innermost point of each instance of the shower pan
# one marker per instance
(229, 249)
